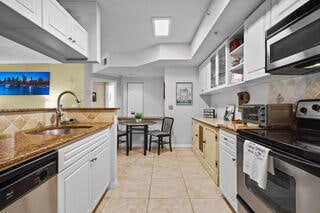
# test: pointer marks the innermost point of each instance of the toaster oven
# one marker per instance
(268, 115)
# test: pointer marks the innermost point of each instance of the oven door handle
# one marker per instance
(309, 166)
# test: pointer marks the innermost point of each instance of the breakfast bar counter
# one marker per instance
(27, 144)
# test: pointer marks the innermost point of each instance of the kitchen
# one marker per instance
(250, 61)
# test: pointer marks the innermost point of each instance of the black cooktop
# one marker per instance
(302, 143)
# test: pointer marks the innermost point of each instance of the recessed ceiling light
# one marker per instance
(161, 26)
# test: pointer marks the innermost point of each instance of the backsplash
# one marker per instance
(291, 89)
(13, 122)
(294, 89)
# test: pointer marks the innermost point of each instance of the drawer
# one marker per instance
(228, 150)
(73, 152)
(228, 139)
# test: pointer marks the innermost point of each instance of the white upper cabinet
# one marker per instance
(204, 77)
(255, 27)
(30, 9)
(44, 26)
(55, 20)
(79, 37)
(61, 24)
(281, 8)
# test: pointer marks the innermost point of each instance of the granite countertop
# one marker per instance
(24, 146)
(221, 123)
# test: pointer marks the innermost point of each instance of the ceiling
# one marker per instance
(127, 31)
(127, 24)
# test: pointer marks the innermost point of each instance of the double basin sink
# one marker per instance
(63, 130)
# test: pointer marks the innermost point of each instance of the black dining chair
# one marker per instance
(120, 134)
(165, 132)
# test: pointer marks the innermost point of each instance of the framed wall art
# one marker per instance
(184, 93)
(24, 83)
(229, 113)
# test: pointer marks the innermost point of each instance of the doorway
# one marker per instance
(135, 98)
(98, 95)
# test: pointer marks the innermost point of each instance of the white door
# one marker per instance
(74, 185)
(56, 20)
(228, 175)
(254, 40)
(135, 98)
(31, 9)
(100, 172)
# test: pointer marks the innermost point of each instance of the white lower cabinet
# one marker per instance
(82, 184)
(228, 167)
(74, 187)
(100, 172)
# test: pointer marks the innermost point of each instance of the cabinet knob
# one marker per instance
(196, 135)
(225, 139)
(204, 141)
(233, 159)
(73, 41)
(70, 38)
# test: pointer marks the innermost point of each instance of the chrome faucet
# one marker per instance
(59, 112)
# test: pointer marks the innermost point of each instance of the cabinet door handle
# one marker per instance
(196, 135)
(204, 141)
(225, 139)
(93, 159)
(73, 41)
(70, 38)
(233, 159)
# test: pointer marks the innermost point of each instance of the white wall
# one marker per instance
(258, 95)
(153, 95)
(182, 127)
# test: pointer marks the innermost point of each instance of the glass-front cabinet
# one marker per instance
(215, 68)
(222, 65)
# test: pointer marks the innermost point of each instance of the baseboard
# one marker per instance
(113, 184)
(182, 145)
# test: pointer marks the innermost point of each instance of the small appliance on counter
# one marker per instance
(209, 113)
(294, 184)
(268, 115)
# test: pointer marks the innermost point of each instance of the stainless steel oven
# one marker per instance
(290, 189)
(294, 186)
(293, 45)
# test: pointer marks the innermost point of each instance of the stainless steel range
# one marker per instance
(295, 184)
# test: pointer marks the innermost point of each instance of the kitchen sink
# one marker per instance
(61, 130)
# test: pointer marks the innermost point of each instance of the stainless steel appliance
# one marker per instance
(30, 187)
(268, 115)
(295, 184)
(293, 45)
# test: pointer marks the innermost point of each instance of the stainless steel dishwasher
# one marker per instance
(30, 187)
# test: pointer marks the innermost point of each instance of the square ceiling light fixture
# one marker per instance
(161, 26)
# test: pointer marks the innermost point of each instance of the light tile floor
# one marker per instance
(170, 183)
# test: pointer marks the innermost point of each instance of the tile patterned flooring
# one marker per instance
(170, 183)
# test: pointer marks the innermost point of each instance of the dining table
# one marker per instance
(142, 125)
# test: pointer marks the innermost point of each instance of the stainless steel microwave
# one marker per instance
(293, 45)
(268, 115)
